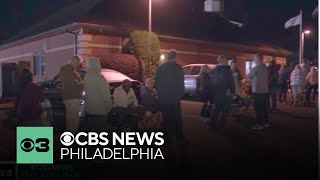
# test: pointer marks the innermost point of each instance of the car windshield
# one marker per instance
(195, 70)
(186, 70)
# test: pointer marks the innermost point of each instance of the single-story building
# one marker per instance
(78, 29)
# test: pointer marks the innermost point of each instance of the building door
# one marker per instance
(9, 75)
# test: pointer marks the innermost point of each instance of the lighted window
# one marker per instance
(39, 65)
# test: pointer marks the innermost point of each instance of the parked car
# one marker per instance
(52, 89)
(191, 77)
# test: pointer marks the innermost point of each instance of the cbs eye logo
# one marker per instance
(67, 138)
(40, 145)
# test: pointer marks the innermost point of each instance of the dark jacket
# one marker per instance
(221, 83)
(204, 85)
(169, 82)
(149, 99)
(284, 76)
(29, 108)
(72, 85)
(273, 76)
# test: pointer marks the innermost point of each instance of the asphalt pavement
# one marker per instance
(287, 149)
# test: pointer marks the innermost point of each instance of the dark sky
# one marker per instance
(264, 19)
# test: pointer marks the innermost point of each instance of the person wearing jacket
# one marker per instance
(304, 70)
(29, 108)
(149, 97)
(260, 90)
(72, 87)
(312, 79)
(283, 83)
(97, 97)
(126, 105)
(204, 78)
(169, 84)
(297, 83)
(237, 80)
(273, 85)
(222, 89)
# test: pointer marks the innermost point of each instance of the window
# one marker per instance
(249, 65)
(39, 64)
(195, 70)
(186, 70)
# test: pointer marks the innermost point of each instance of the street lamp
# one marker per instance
(307, 31)
(302, 43)
(149, 36)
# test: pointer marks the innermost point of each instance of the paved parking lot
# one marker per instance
(288, 149)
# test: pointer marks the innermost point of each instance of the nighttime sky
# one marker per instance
(264, 19)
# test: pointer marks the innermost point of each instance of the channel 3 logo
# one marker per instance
(27, 145)
(34, 145)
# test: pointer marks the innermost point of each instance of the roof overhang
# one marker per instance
(96, 29)
(67, 28)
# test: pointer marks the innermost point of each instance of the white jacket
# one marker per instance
(97, 90)
(122, 98)
(296, 78)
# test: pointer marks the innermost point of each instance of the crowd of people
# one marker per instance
(218, 88)
(268, 87)
(161, 94)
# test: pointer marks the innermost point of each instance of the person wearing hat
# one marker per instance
(169, 84)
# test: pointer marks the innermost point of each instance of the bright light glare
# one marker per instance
(307, 32)
(162, 57)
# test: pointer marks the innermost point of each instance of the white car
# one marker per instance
(191, 77)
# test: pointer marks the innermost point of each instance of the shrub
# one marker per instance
(138, 45)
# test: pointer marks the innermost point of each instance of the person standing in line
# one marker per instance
(98, 101)
(273, 85)
(290, 69)
(237, 80)
(304, 70)
(296, 82)
(260, 90)
(222, 89)
(72, 88)
(312, 79)
(169, 84)
(29, 109)
(283, 83)
(204, 78)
